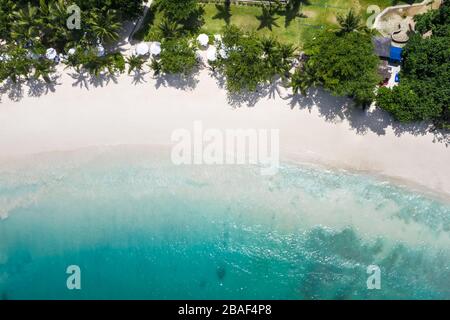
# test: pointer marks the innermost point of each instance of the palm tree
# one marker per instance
(26, 24)
(58, 18)
(91, 62)
(156, 66)
(278, 56)
(43, 68)
(286, 53)
(18, 64)
(116, 63)
(302, 80)
(135, 63)
(169, 29)
(44, 9)
(105, 26)
(350, 22)
(7, 10)
(268, 45)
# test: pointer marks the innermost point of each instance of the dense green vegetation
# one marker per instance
(89, 61)
(251, 60)
(177, 57)
(180, 20)
(25, 20)
(258, 45)
(30, 27)
(424, 89)
(181, 11)
(342, 61)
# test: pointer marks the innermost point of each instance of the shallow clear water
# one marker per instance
(140, 227)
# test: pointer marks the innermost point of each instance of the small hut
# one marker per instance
(382, 47)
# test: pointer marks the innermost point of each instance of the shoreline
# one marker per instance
(319, 129)
(94, 152)
(399, 182)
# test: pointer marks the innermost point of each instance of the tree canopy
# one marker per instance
(424, 89)
(178, 56)
(186, 12)
(252, 60)
(178, 10)
(29, 27)
(46, 20)
(343, 63)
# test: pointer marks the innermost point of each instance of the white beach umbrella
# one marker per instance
(211, 54)
(199, 55)
(100, 51)
(71, 51)
(5, 57)
(155, 48)
(223, 54)
(32, 55)
(203, 39)
(142, 49)
(51, 54)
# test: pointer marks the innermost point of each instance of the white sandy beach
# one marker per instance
(318, 129)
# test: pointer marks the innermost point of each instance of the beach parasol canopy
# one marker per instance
(199, 55)
(223, 54)
(100, 51)
(211, 54)
(51, 54)
(5, 57)
(142, 49)
(203, 39)
(32, 55)
(155, 48)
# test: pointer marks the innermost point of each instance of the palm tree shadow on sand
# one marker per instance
(103, 79)
(338, 109)
(85, 80)
(14, 91)
(272, 90)
(335, 109)
(178, 81)
(31, 87)
(38, 87)
(81, 79)
(139, 77)
(331, 108)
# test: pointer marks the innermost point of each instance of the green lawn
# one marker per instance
(315, 15)
(246, 17)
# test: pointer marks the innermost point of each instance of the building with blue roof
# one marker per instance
(395, 54)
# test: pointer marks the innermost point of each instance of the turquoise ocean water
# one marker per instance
(141, 228)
